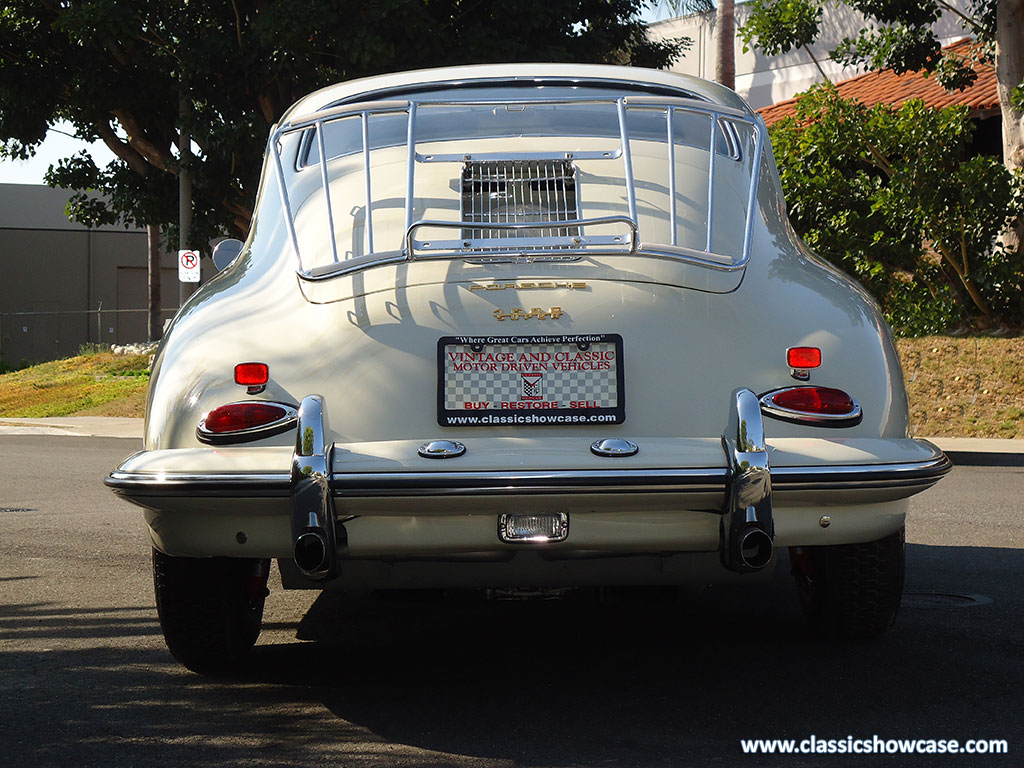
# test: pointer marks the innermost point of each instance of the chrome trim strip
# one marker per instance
(682, 94)
(250, 434)
(902, 475)
(831, 477)
(411, 245)
(710, 479)
(500, 157)
(143, 484)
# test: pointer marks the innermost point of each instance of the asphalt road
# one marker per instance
(85, 678)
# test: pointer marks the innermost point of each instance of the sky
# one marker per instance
(54, 147)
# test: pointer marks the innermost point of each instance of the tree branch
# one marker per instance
(238, 23)
(143, 146)
(807, 48)
(135, 161)
(972, 23)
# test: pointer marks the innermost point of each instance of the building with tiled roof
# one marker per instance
(886, 87)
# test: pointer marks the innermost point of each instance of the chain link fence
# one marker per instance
(28, 337)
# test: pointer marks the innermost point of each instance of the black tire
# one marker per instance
(851, 591)
(210, 609)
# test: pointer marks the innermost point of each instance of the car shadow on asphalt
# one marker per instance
(646, 681)
(458, 681)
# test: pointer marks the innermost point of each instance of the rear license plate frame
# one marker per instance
(606, 408)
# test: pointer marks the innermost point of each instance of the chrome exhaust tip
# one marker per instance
(755, 549)
(310, 554)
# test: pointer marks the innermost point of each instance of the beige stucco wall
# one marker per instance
(764, 80)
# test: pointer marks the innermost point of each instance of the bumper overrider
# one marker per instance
(739, 492)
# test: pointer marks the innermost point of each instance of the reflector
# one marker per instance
(803, 357)
(237, 416)
(252, 374)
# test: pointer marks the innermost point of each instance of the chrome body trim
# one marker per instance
(441, 449)
(541, 246)
(275, 427)
(439, 483)
(313, 518)
(748, 528)
(613, 447)
(769, 408)
(529, 482)
(507, 157)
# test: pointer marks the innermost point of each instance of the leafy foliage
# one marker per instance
(115, 69)
(781, 25)
(891, 196)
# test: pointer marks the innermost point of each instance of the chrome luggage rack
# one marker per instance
(517, 239)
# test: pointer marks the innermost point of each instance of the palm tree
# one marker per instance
(725, 31)
(725, 43)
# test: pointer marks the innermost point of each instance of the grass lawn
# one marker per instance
(94, 384)
(965, 387)
(958, 387)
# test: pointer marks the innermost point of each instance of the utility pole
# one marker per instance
(184, 181)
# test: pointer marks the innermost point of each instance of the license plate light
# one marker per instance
(533, 527)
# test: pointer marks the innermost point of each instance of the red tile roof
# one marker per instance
(886, 87)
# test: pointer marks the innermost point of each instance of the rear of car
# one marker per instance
(498, 329)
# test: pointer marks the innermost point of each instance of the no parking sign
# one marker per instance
(188, 266)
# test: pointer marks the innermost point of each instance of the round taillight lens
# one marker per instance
(816, 400)
(234, 417)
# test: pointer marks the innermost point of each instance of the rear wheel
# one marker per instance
(851, 591)
(210, 609)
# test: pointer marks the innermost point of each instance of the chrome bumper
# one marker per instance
(740, 491)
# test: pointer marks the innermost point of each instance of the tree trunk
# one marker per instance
(1009, 74)
(153, 233)
(725, 39)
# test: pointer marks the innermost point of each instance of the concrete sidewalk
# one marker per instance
(962, 450)
(83, 426)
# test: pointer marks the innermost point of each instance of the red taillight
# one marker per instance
(803, 357)
(252, 374)
(815, 400)
(822, 406)
(239, 416)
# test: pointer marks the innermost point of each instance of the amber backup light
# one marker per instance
(820, 406)
(245, 421)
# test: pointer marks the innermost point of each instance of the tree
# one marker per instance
(118, 71)
(892, 196)
(725, 43)
(901, 37)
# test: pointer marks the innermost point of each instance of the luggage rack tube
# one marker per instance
(721, 117)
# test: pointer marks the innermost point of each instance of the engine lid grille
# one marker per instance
(519, 191)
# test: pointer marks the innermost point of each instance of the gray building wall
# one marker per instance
(55, 275)
(764, 80)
